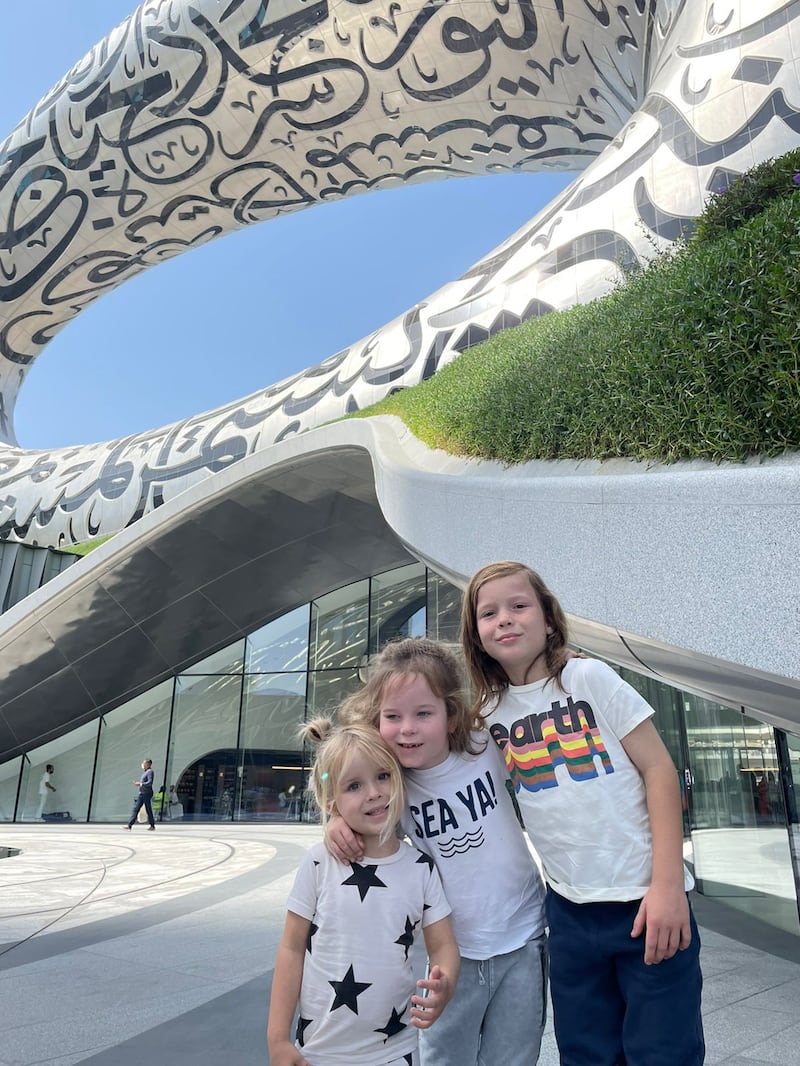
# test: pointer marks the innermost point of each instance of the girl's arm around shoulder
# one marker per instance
(664, 911)
(345, 845)
(340, 840)
(286, 980)
(440, 984)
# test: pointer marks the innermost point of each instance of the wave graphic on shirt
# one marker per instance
(460, 845)
(532, 766)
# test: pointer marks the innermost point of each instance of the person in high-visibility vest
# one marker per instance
(160, 803)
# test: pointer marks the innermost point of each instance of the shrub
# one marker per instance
(698, 356)
(748, 195)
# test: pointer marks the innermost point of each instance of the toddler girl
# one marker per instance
(344, 955)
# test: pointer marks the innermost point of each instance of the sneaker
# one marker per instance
(150, 828)
(127, 828)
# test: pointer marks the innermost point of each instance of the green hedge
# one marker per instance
(696, 357)
(85, 546)
(747, 196)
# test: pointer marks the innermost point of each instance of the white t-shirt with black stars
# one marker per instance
(357, 983)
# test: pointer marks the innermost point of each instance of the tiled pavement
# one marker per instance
(120, 948)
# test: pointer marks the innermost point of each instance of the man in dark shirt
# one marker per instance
(145, 797)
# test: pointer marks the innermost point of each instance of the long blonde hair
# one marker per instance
(488, 677)
(438, 664)
(336, 745)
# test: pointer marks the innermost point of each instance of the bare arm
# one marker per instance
(51, 787)
(342, 842)
(440, 984)
(664, 912)
(286, 980)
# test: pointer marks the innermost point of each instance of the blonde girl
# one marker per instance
(344, 955)
(459, 813)
(600, 798)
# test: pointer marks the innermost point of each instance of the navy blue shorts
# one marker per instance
(609, 1009)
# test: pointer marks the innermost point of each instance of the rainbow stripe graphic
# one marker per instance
(532, 764)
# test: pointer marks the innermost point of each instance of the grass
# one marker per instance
(697, 356)
(85, 546)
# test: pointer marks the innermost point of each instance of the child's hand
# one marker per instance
(342, 842)
(664, 918)
(285, 1054)
(426, 1009)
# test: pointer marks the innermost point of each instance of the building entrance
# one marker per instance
(231, 784)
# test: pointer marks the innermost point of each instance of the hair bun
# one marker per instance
(317, 730)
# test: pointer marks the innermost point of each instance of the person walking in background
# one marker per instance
(600, 799)
(345, 955)
(44, 787)
(145, 797)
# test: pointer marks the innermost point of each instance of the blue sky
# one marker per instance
(250, 308)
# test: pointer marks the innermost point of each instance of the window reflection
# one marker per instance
(339, 628)
(205, 726)
(137, 730)
(397, 605)
(327, 689)
(72, 758)
(229, 660)
(741, 847)
(443, 609)
(280, 645)
(9, 783)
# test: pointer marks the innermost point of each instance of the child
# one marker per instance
(600, 798)
(344, 955)
(461, 815)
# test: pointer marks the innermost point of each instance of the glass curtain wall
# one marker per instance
(9, 785)
(203, 745)
(443, 608)
(789, 758)
(740, 840)
(72, 760)
(224, 734)
(134, 732)
(270, 768)
(398, 606)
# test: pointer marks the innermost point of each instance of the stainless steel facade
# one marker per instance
(196, 118)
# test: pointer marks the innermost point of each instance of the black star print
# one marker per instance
(347, 991)
(394, 1025)
(426, 859)
(364, 878)
(302, 1025)
(406, 938)
(311, 930)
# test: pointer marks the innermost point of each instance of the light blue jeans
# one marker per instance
(497, 1015)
